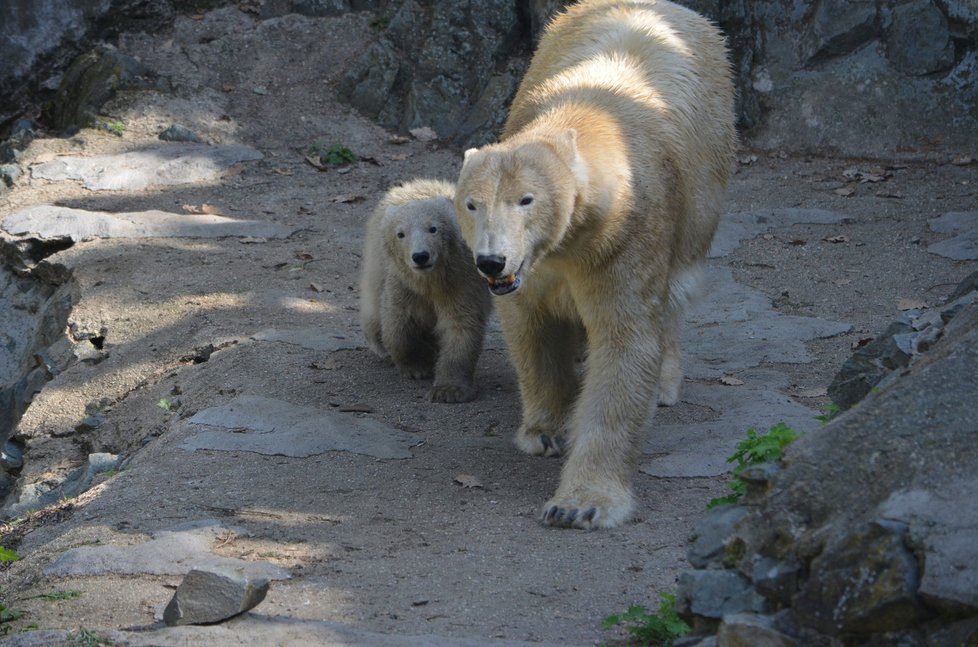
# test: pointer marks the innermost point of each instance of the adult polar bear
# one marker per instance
(595, 210)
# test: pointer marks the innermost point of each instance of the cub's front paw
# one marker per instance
(452, 393)
(539, 441)
(416, 372)
(588, 508)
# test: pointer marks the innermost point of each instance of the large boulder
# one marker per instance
(865, 535)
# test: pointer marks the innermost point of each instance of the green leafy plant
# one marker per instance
(335, 155)
(60, 595)
(7, 555)
(756, 449)
(647, 628)
(830, 411)
(165, 404)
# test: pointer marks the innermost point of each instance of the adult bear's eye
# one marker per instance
(526, 201)
(400, 234)
(470, 206)
(432, 230)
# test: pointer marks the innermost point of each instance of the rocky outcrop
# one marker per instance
(866, 533)
(36, 298)
(441, 64)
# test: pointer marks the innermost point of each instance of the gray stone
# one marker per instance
(918, 41)
(275, 8)
(867, 367)
(214, 593)
(736, 227)
(12, 456)
(34, 497)
(48, 221)
(711, 533)
(436, 62)
(165, 166)
(954, 222)
(775, 580)
(169, 552)
(943, 526)
(866, 582)
(751, 630)
(311, 338)
(278, 428)
(91, 80)
(716, 593)
(9, 174)
(179, 133)
(841, 26)
(963, 247)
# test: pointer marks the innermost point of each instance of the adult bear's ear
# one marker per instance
(566, 146)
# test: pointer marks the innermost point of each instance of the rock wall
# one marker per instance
(875, 78)
(866, 533)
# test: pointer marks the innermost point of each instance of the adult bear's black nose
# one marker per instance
(490, 265)
(420, 258)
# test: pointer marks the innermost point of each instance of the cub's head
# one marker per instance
(514, 203)
(418, 233)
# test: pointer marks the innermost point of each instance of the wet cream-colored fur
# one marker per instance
(594, 211)
(429, 317)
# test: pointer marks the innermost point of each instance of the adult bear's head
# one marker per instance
(514, 203)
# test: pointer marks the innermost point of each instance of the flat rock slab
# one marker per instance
(732, 327)
(735, 227)
(164, 166)
(309, 338)
(278, 428)
(259, 631)
(169, 552)
(47, 221)
(701, 449)
(964, 245)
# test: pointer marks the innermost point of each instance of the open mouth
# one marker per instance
(503, 285)
(423, 268)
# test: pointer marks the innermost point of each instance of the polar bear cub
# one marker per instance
(422, 303)
(594, 212)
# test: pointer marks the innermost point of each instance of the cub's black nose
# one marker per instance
(420, 258)
(491, 265)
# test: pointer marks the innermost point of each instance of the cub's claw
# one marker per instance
(539, 443)
(451, 393)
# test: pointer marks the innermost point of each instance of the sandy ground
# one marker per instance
(387, 546)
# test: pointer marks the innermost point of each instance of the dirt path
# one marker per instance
(374, 543)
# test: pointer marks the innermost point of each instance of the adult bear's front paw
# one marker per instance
(588, 508)
(452, 393)
(540, 441)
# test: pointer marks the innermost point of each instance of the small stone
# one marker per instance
(12, 456)
(711, 533)
(751, 630)
(713, 594)
(178, 133)
(214, 593)
(9, 174)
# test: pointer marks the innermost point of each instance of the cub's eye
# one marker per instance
(400, 234)
(526, 201)
(432, 230)
(470, 206)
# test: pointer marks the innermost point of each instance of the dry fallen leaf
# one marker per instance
(845, 191)
(962, 160)
(837, 239)
(841, 282)
(201, 209)
(910, 304)
(397, 140)
(328, 365)
(356, 408)
(282, 171)
(812, 393)
(797, 242)
(859, 343)
(398, 157)
(889, 194)
(468, 481)
(227, 87)
(349, 198)
(747, 160)
(315, 287)
(305, 256)
(315, 163)
(252, 240)
(730, 381)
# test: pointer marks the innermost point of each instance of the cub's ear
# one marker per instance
(469, 153)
